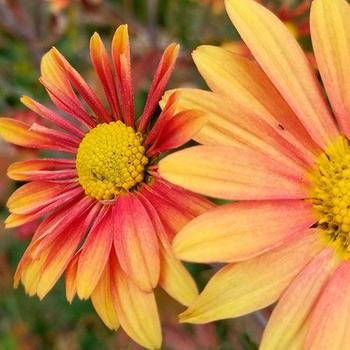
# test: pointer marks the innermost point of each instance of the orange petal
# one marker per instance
(21, 134)
(175, 206)
(81, 86)
(239, 123)
(136, 242)
(245, 84)
(238, 289)
(178, 130)
(161, 78)
(61, 250)
(103, 68)
(174, 278)
(330, 32)
(51, 116)
(282, 59)
(103, 298)
(35, 195)
(94, 254)
(42, 169)
(122, 66)
(232, 173)
(71, 276)
(290, 315)
(240, 231)
(330, 323)
(137, 312)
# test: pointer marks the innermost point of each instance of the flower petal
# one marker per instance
(238, 289)
(103, 68)
(239, 123)
(240, 231)
(51, 263)
(103, 298)
(51, 116)
(71, 277)
(33, 196)
(122, 67)
(330, 322)
(232, 173)
(330, 32)
(42, 169)
(21, 134)
(161, 78)
(290, 315)
(174, 278)
(95, 253)
(81, 86)
(282, 59)
(244, 83)
(175, 206)
(177, 131)
(136, 242)
(137, 312)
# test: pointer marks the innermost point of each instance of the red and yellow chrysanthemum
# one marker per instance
(109, 218)
(273, 145)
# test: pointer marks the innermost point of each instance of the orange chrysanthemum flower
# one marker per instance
(272, 144)
(109, 217)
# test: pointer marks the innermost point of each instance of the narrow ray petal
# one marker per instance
(174, 278)
(175, 206)
(122, 67)
(20, 134)
(95, 253)
(161, 78)
(35, 195)
(179, 130)
(51, 116)
(100, 60)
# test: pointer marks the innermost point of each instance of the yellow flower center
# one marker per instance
(110, 159)
(331, 196)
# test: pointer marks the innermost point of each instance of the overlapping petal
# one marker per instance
(286, 325)
(288, 68)
(329, 322)
(238, 289)
(136, 242)
(137, 312)
(330, 32)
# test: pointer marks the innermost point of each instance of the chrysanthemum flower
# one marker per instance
(273, 145)
(109, 218)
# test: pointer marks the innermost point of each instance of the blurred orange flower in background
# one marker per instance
(273, 145)
(109, 218)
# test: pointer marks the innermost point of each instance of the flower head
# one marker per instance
(273, 145)
(109, 218)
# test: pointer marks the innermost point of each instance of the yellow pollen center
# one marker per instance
(331, 196)
(110, 159)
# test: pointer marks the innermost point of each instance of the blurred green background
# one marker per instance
(28, 28)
